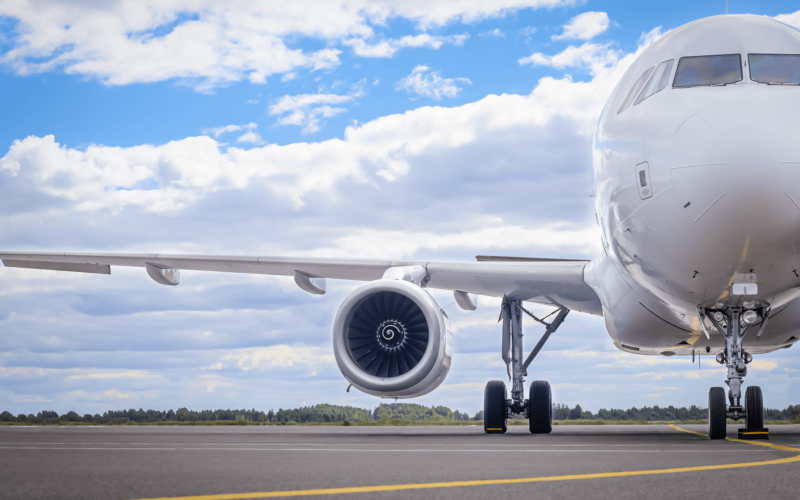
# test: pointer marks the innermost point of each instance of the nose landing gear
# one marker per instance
(733, 327)
(538, 408)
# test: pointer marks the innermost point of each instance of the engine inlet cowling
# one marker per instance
(392, 339)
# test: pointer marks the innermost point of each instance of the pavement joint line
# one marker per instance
(488, 482)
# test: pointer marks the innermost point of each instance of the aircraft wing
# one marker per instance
(546, 281)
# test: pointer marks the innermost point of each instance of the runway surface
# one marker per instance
(434, 462)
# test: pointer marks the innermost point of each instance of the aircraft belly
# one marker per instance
(637, 330)
(783, 329)
(639, 327)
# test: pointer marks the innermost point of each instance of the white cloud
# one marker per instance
(592, 56)
(24, 372)
(109, 395)
(250, 136)
(289, 103)
(279, 356)
(218, 131)
(651, 36)
(584, 26)
(209, 43)
(112, 375)
(555, 237)
(426, 82)
(22, 399)
(762, 364)
(387, 48)
(527, 30)
(493, 33)
(307, 110)
(792, 19)
(212, 382)
(383, 150)
(441, 12)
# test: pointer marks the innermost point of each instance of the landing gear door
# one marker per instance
(643, 181)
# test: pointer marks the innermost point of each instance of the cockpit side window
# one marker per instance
(708, 70)
(775, 69)
(657, 82)
(635, 90)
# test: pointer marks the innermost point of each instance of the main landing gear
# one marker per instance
(497, 407)
(734, 323)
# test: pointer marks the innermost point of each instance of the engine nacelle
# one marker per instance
(391, 339)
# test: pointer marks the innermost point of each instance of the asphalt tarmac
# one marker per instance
(621, 462)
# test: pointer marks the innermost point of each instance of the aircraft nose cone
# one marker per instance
(737, 164)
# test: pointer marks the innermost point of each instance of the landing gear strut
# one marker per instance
(734, 324)
(538, 408)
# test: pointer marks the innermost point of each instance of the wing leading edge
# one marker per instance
(552, 282)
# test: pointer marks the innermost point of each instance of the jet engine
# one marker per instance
(391, 339)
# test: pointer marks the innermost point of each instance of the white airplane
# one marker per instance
(696, 170)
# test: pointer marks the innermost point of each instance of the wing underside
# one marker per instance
(546, 281)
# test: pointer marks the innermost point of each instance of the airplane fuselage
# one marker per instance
(697, 188)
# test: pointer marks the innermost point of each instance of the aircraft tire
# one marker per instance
(717, 414)
(754, 406)
(540, 408)
(494, 408)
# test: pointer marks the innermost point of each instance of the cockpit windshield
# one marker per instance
(708, 70)
(775, 69)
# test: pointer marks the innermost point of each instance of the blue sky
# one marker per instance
(437, 130)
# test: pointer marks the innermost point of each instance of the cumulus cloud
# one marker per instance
(218, 131)
(387, 48)
(554, 237)
(307, 110)
(212, 382)
(591, 56)
(584, 26)
(427, 82)
(278, 356)
(250, 136)
(209, 43)
(792, 19)
(112, 375)
(493, 33)
(187, 171)
(110, 394)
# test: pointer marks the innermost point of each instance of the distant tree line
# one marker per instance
(646, 413)
(122, 416)
(384, 411)
(320, 413)
(411, 411)
(656, 413)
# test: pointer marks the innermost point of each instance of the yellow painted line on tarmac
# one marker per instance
(754, 443)
(488, 482)
(688, 431)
